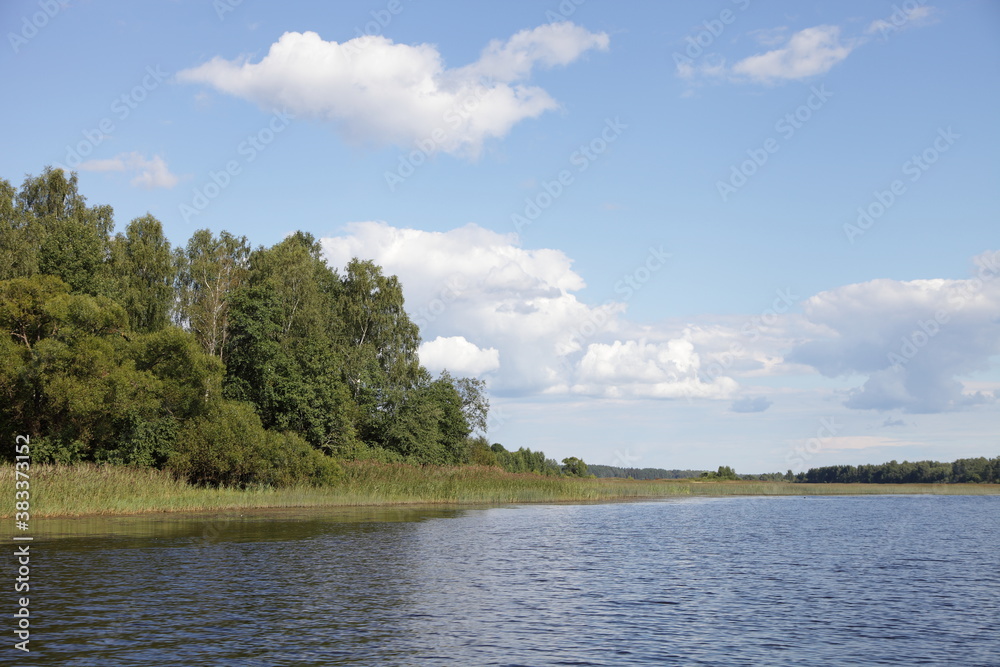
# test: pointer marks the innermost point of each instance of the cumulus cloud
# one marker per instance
(376, 91)
(474, 284)
(148, 173)
(488, 305)
(458, 356)
(913, 339)
(637, 369)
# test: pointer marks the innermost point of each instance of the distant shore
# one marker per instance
(87, 489)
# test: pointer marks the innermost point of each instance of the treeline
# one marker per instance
(641, 473)
(962, 471)
(227, 364)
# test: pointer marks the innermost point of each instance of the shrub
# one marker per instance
(230, 447)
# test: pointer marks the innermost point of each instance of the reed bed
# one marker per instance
(89, 489)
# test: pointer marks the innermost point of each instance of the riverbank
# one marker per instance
(106, 490)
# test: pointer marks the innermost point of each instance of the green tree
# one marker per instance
(141, 274)
(64, 373)
(87, 388)
(475, 403)
(723, 473)
(210, 269)
(574, 467)
(18, 237)
(481, 453)
(379, 341)
(283, 349)
(64, 236)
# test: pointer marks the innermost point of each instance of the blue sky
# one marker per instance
(667, 234)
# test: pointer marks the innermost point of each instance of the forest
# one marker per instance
(961, 471)
(226, 364)
(640, 473)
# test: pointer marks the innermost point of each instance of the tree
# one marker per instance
(65, 237)
(453, 426)
(142, 273)
(427, 424)
(64, 372)
(475, 403)
(381, 340)
(18, 237)
(283, 348)
(480, 453)
(73, 375)
(574, 467)
(525, 460)
(209, 270)
(723, 473)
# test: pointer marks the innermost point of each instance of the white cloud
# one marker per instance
(637, 369)
(913, 339)
(808, 53)
(148, 173)
(377, 91)
(458, 356)
(478, 285)
(903, 18)
(476, 293)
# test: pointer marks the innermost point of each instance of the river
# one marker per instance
(866, 580)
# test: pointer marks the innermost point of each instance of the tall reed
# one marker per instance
(89, 489)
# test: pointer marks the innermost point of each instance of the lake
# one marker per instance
(866, 580)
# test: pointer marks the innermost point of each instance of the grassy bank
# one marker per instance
(91, 489)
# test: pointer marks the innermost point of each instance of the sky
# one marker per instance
(666, 234)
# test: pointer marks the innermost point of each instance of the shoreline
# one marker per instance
(96, 491)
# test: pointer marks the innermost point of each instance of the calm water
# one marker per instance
(732, 581)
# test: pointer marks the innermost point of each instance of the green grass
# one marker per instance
(101, 490)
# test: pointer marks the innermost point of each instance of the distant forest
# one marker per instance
(224, 363)
(918, 472)
(962, 471)
(640, 473)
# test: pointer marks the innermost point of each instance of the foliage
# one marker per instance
(209, 269)
(479, 453)
(49, 229)
(71, 375)
(976, 470)
(640, 473)
(141, 274)
(379, 349)
(525, 460)
(229, 447)
(723, 473)
(574, 467)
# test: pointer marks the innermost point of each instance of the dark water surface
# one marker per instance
(901, 580)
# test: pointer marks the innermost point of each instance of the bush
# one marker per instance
(724, 473)
(478, 452)
(230, 447)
